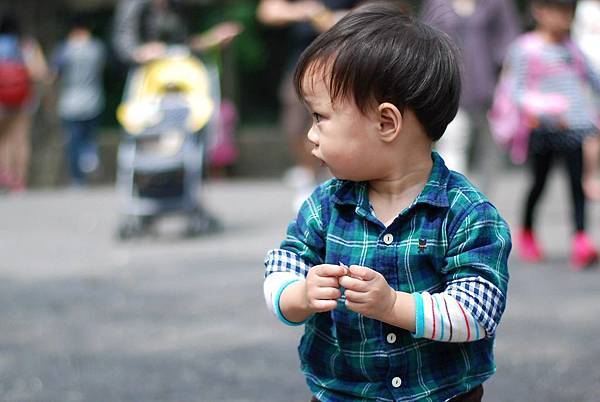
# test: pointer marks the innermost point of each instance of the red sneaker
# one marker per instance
(5, 179)
(584, 253)
(528, 247)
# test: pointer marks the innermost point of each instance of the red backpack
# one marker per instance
(15, 84)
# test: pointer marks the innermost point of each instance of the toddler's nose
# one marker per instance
(313, 138)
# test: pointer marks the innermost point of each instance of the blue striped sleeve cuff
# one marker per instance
(420, 316)
(278, 309)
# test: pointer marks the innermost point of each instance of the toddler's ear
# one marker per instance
(390, 121)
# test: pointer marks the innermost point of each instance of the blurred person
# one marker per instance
(78, 64)
(22, 67)
(420, 253)
(222, 152)
(586, 33)
(482, 30)
(156, 30)
(551, 75)
(306, 19)
(143, 29)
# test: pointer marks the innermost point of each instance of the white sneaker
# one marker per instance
(88, 162)
(303, 181)
(298, 177)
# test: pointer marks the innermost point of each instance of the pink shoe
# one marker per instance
(18, 186)
(584, 253)
(528, 247)
(5, 180)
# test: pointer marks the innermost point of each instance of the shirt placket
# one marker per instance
(387, 261)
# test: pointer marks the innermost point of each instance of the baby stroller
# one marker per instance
(167, 115)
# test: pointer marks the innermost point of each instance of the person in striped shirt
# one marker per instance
(552, 77)
(397, 267)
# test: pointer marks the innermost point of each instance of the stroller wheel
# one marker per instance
(201, 223)
(133, 226)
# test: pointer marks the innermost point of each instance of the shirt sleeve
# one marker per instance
(57, 60)
(303, 247)
(273, 287)
(476, 280)
(126, 26)
(441, 317)
(516, 65)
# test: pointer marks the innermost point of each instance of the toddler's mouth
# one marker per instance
(321, 161)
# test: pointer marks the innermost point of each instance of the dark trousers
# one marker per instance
(81, 144)
(541, 162)
(475, 395)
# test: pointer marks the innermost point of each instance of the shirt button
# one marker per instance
(388, 238)
(396, 382)
(391, 337)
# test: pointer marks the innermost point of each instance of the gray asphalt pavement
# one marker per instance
(84, 317)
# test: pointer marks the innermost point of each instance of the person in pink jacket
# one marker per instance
(551, 76)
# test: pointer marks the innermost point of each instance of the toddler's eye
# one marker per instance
(317, 117)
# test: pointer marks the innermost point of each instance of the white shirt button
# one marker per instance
(388, 238)
(396, 382)
(391, 337)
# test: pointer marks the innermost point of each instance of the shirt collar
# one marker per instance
(434, 193)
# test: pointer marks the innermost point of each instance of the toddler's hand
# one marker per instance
(322, 287)
(368, 293)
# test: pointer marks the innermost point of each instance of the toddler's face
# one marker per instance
(343, 139)
(557, 18)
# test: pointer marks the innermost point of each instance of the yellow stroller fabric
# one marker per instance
(185, 75)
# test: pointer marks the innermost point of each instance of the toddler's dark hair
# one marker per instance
(377, 53)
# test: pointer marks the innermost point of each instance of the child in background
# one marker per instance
(551, 76)
(397, 266)
(23, 52)
(78, 63)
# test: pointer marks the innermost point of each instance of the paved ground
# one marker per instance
(84, 317)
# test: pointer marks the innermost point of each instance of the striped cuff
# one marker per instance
(419, 315)
(278, 309)
(440, 317)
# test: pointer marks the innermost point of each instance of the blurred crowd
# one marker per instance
(555, 109)
(142, 30)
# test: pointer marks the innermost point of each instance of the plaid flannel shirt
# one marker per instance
(450, 239)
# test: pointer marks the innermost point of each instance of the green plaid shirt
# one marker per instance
(451, 239)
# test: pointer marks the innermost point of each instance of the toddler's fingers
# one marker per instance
(328, 294)
(364, 273)
(321, 306)
(327, 281)
(329, 270)
(355, 284)
(355, 297)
